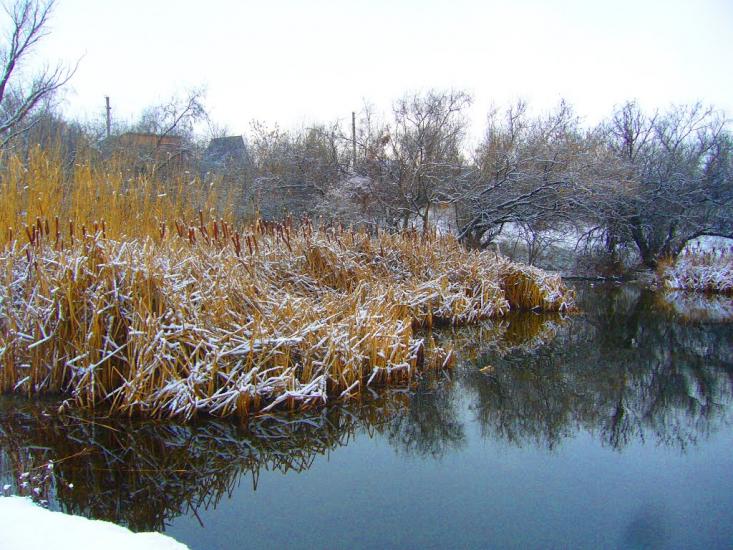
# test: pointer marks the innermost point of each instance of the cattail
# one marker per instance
(237, 244)
(351, 312)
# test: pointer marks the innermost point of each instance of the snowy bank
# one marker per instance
(24, 525)
(704, 272)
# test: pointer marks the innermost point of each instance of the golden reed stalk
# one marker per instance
(143, 298)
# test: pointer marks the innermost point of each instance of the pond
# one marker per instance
(610, 428)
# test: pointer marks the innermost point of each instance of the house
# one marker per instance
(225, 147)
(145, 142)
(224, 154)
(165, 154)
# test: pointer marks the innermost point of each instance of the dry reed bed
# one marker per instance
(710, 271)
(199, 318)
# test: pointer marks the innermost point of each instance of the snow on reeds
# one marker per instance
(703, 271)
(162, 312)
(527, 287)
(194, 323)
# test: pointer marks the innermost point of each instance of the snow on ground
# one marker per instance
(707, 243)
(568, 238)
(26, 526)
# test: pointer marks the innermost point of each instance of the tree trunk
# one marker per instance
(646, 251)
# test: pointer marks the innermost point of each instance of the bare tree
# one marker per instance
(414, 162)
(28, 20)
(164, 139)
(361, 198)
(677, 183)
(176, 117)
(527, 170)
(294, 171)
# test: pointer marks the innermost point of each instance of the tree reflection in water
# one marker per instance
(625, 369)
(430, 425)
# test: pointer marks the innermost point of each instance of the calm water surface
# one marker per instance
(609, 429)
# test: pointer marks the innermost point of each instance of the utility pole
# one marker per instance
(109, 118)
(353, 139)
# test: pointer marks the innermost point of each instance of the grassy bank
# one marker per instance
(145, 299)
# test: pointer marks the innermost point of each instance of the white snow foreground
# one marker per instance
(26, 526)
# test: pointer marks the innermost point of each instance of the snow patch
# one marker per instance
(707, 243)
(26, 526)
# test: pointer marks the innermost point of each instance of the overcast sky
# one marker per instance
(293, 62)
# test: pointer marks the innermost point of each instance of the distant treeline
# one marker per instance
(644, 182)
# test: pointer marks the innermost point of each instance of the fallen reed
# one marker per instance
(162, 311)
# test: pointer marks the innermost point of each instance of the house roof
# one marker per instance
(226, 146)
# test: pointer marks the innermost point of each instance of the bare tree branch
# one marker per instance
(28, 21)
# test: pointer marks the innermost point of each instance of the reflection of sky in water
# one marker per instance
(611, 429)
(488, 494)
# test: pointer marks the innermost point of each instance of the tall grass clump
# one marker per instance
(702, 271)
(108, 195)
(141, 297)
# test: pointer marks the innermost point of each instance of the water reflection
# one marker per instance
(696, 306)
(143, 474)
(626, 369)
(430, 425)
